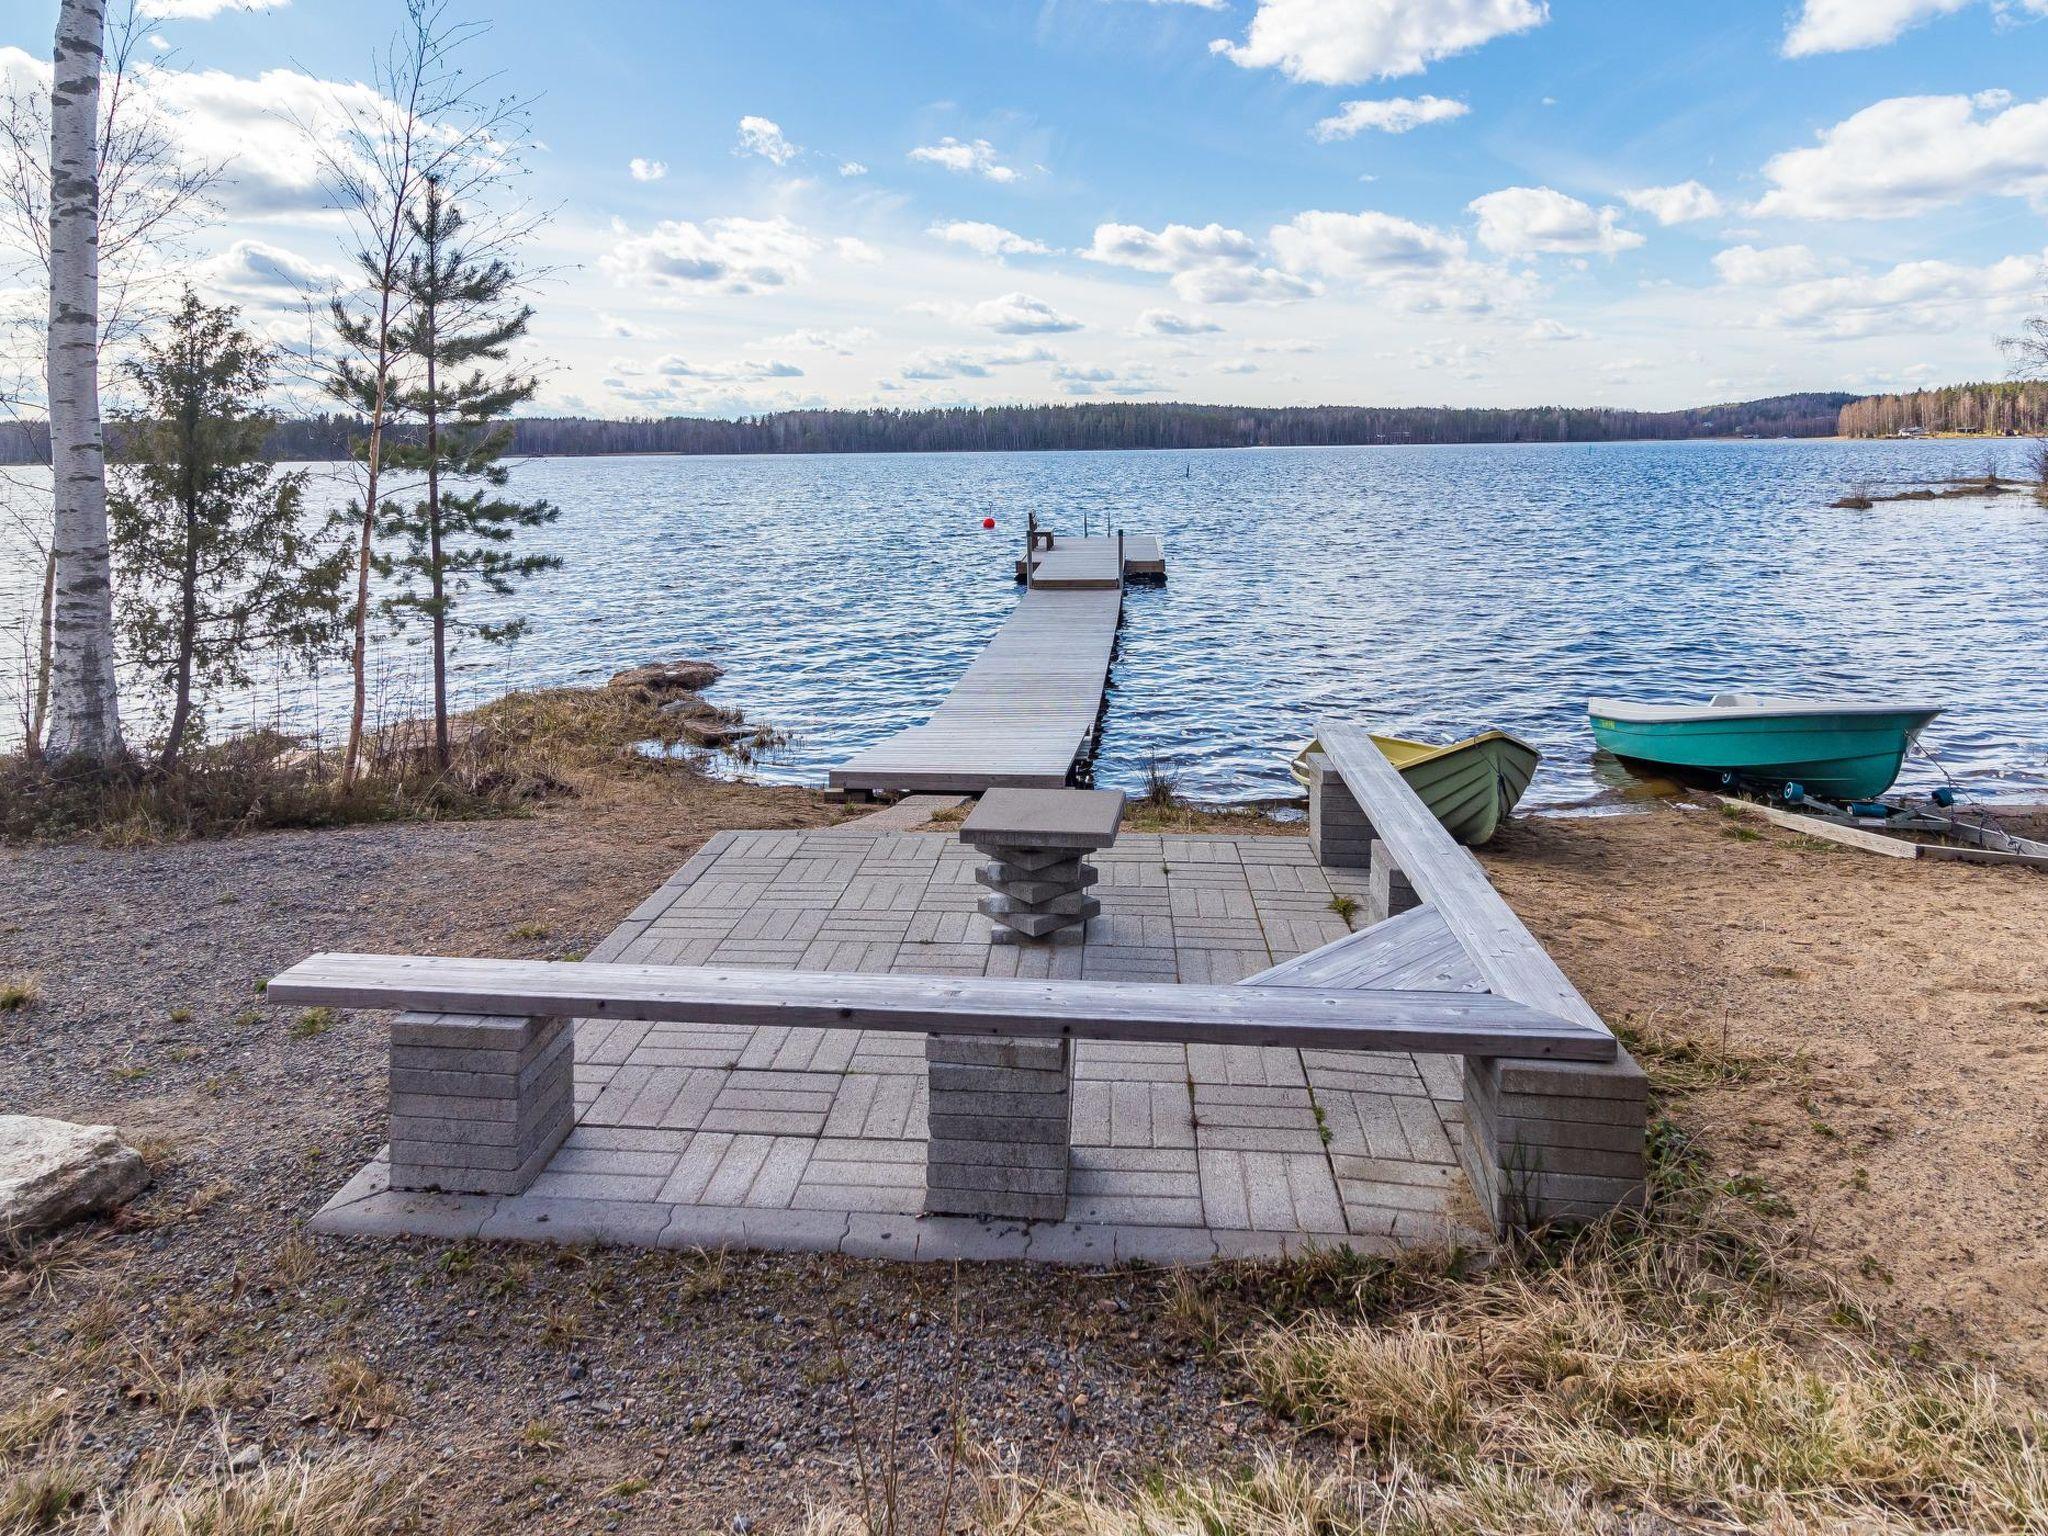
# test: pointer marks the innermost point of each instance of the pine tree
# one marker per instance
(460, 315)
(217, 555)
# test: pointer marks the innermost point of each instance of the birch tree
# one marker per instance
(84, 711)
(151, 195)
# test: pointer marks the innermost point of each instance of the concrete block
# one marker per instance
(988, 1051)
(1388, 891)
(999, 1128)
(996, 1176)
(1044, 1154)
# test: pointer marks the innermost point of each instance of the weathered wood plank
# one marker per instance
(1833, 832)
(1416, 949)
(1505, 953)
(1297, 1017)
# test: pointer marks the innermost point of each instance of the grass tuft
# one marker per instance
(22, 989)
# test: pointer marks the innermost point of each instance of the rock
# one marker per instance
(53, 1172)
(247, 1459)
(711, 733)
(670, 676)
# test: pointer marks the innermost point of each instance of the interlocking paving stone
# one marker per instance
(699, 1135)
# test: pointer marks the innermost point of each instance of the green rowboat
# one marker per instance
(1470, 785)
(1840, 749)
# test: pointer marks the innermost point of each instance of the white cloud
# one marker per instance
(988, 239)
(965, 159)
(856, 250)
(1165, 322)
(646, 170)
(938, 364)
(1019, 314)
(254, 271)
(731, 255)
(1680, 204)
(1834, 26)
(1176, 248)
(1745, 266)
(1341, 42)
(1208, 264)
(1398, 114)
(842, 342)
(1242, 365)
(741, 370)
(1368, 247)
(1526, 221)
(200, 10)
(1546, 329)
(852, 168)
(1926, 296)
(761, 136)
(1912, 154)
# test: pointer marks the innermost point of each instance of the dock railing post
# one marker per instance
(1119, 559)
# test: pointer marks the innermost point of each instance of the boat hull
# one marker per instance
(1470, 786)
(1849, 756)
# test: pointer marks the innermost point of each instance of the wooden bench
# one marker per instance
(1545, 1140)
(482, 1070)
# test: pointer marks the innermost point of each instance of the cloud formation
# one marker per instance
(987, 239)
(1344, 42)
(764, 137)
(1910, 155)
(1397, 114)
(977, 158)
(1836, 26)
(1681, 204)
(1530, 221)
(719, 256)
(642, 169)
(1019, 314)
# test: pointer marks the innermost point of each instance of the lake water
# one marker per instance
(1428, 591)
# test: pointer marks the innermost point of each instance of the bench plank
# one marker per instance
(1413, 951)
(1299, 1017)
(1511, 962)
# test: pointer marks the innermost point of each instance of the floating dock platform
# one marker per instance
(1023, 715)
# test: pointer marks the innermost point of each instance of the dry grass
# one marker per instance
(1687, 1361)
(22, 989)
(356, 1395)
(508, 755)
(339, 1496)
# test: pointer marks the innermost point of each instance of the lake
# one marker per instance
(1427, 591)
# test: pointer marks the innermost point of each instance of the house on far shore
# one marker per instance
(1911, 432)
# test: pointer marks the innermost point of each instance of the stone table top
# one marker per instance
(1045, 818)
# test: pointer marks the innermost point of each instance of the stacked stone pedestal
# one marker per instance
(1000, 1126)
(1035, 893)
(478, 1103)
(1038, 841)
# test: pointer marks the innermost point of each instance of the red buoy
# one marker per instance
(988, 522)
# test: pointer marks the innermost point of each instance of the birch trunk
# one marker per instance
(84, 715)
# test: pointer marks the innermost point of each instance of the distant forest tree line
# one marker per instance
(2019, 409)
(1082, 426)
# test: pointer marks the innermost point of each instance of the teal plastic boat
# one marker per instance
(1837, 748)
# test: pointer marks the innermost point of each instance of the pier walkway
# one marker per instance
(1024, 712)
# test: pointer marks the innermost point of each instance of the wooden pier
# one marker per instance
(1024, 713)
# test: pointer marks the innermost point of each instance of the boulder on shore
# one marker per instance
(665, 677)
(53, 1172)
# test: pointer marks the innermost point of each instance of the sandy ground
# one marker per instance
(1869, 1033)
(1878, 1029)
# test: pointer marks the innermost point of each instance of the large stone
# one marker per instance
(670, 676)
(53, 1172)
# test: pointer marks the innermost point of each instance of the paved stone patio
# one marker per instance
(693, 1135)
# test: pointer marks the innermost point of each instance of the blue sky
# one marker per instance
(1258, 201)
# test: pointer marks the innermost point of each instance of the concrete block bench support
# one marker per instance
(1544, 1141)
(1340, 835)
(479, 1103)
(1001, 1120)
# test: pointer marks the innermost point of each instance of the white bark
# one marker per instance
(84, 712)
